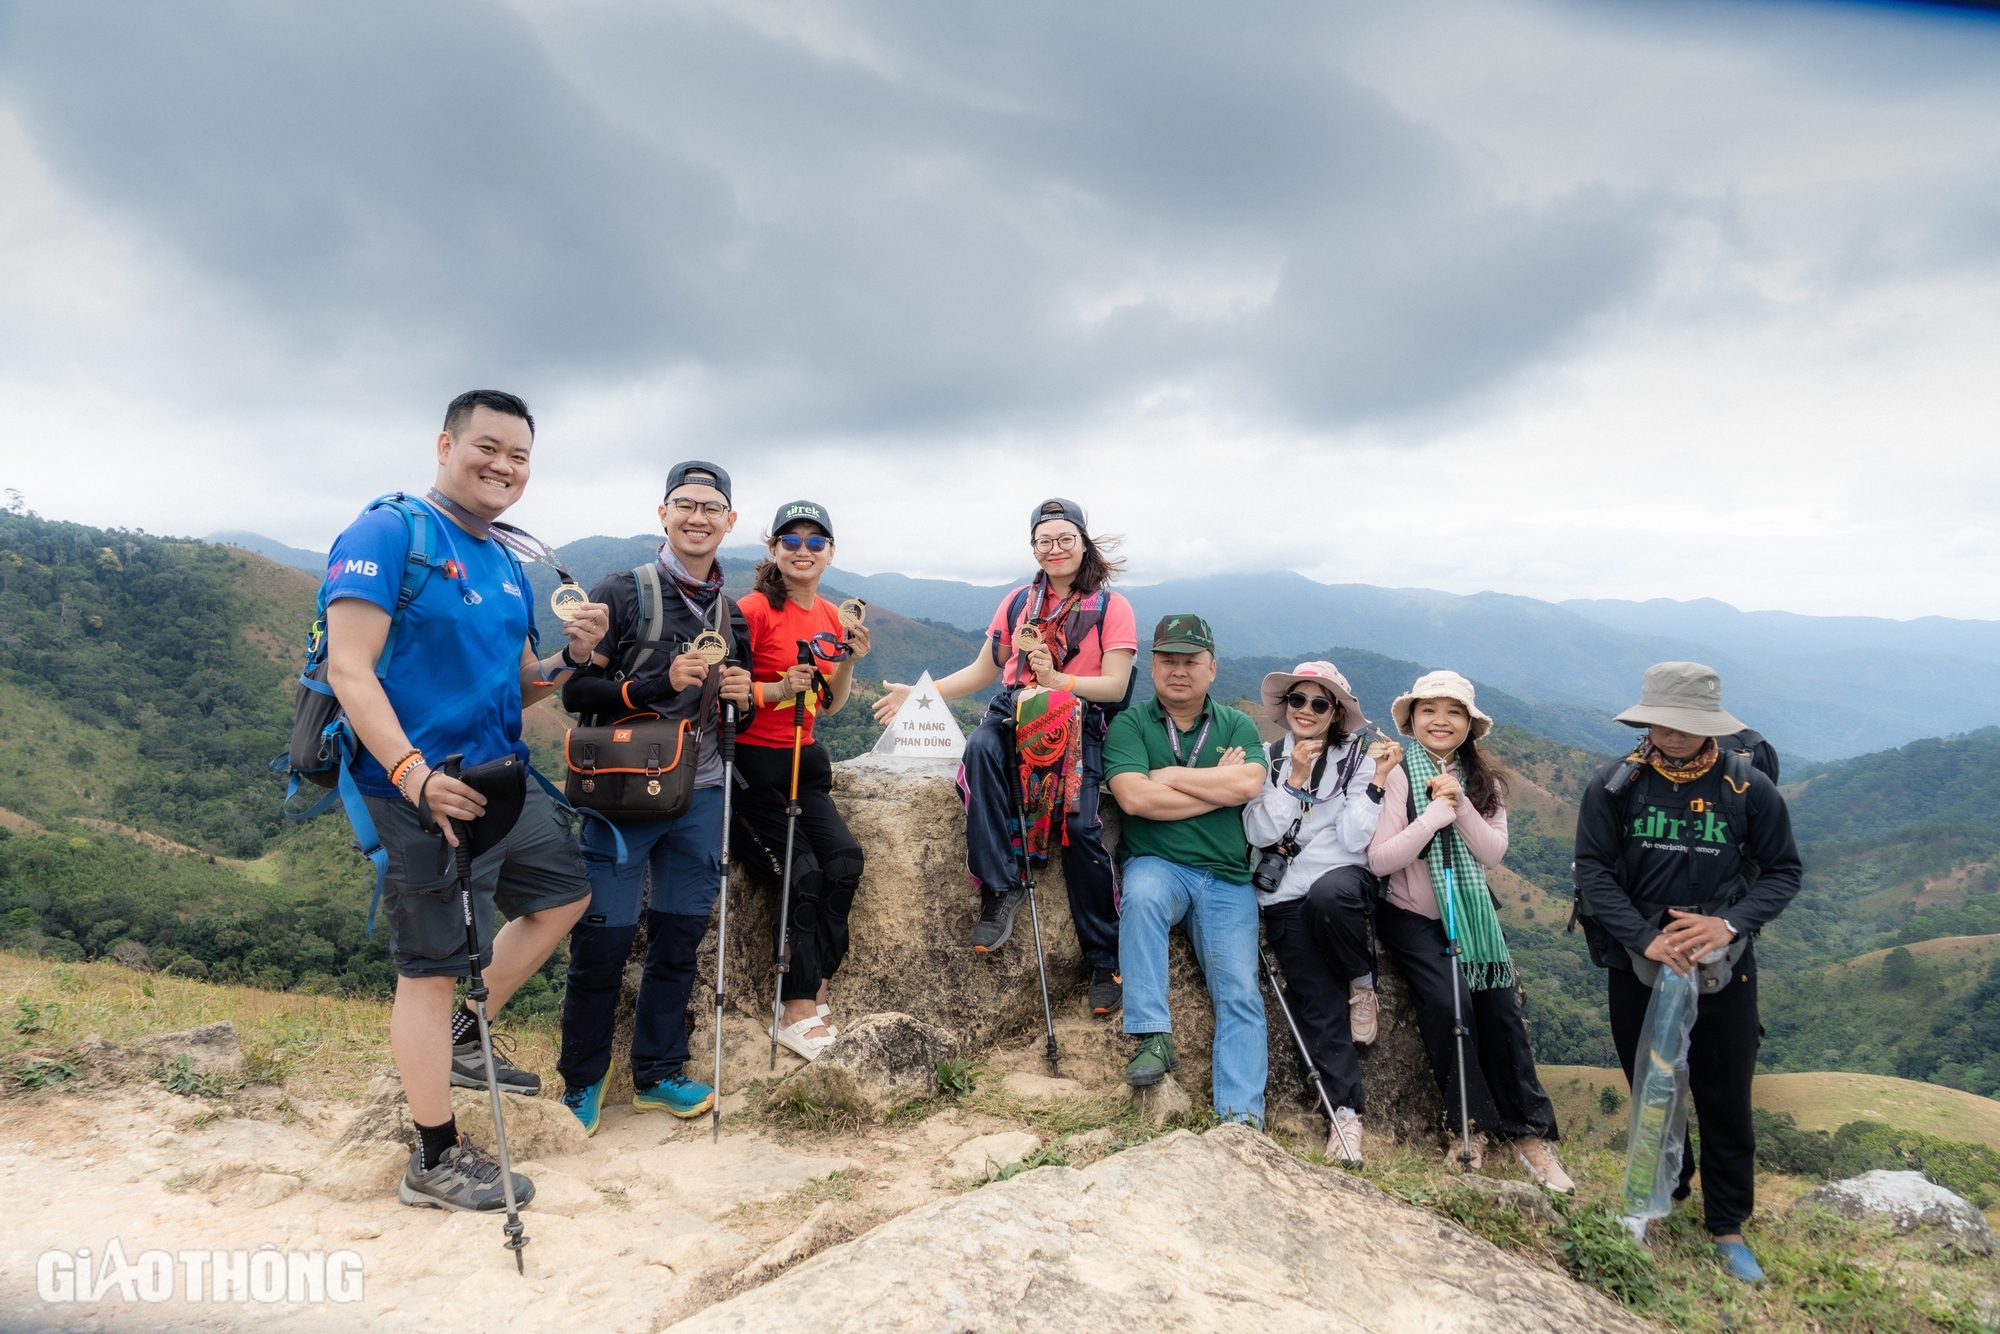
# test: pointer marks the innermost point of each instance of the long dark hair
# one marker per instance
(1483, 777)
(1096, 567)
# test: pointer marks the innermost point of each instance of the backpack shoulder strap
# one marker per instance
(652, 615)
(420, 527)
(1737, 772)
(1015, 606)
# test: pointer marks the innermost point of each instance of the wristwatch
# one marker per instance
(1375, 793)
(1733, 932)
(567, 661)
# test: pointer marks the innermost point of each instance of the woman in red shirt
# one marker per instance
(783, 609)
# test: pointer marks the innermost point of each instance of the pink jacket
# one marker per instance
(1397, 848)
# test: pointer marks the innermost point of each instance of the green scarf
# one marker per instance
(1482, 949)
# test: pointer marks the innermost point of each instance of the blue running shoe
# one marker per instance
(1737, 1259)
(585, 1102)
(680, 1095)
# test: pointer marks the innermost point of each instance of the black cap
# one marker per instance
(678, 477)
(1070, 510)
(801, 511)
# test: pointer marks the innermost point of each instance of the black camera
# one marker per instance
(1271, 864)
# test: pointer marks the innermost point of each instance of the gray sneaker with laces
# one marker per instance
(468, 1068)
(465, 1180)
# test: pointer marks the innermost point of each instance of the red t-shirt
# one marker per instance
(1118, 630)
(774, 647)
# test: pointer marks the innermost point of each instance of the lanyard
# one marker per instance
(522, 544)
(1174, 738)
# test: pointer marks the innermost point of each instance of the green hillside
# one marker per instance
(1943, 780)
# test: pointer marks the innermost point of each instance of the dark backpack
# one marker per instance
(1081, 622)
(1763, 755)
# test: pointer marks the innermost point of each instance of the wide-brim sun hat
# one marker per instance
(1439, 685)
(1279, 684)
(1686, 696)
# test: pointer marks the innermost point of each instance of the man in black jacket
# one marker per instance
(674, 865)
(1684, 851)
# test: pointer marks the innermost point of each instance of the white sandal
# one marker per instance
(826, 1017)
(793, 1037)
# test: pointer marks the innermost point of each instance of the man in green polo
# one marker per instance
(1181, 768)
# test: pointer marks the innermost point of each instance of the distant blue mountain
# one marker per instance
(312, 562)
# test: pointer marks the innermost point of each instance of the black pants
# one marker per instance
(597, 957)
(1321, 943)
(1722, 1058)
(826, 861)
(1502, 1091)
(991, 784)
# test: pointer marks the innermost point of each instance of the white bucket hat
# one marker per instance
(1685, 696)
(1279, 684)
(1440, 685)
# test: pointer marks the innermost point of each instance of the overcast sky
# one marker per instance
(1565, 299)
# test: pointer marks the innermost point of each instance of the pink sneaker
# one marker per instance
(1539, 1157)
(1362, 1005)
(1343, 1143)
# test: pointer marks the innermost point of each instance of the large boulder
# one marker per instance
(882, 1062)
(1223, 1231)
(1905, 1201)
(211, 1049)
(368, 1157)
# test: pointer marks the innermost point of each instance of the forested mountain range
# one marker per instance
(144, 682)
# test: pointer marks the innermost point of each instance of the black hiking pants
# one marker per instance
(1722, 1058)
(826, 861)
(1502, 1091)
(1320, 943)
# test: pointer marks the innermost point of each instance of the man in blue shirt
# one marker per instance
(462, 666)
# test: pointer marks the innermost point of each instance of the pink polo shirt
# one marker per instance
(1398, 846)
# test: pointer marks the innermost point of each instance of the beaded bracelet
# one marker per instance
(402, 768)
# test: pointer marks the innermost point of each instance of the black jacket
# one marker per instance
(599, 695)
(1660, 844)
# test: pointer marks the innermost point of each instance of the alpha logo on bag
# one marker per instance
(622, 734)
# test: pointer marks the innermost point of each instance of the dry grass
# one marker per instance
(318, 1046)
(1942, 951)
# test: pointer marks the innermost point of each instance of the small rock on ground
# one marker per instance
(1907, 1201)
(977, 1157)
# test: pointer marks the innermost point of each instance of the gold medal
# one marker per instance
(853, 612)
(1028, 638)
(712, 647)
(567, 600)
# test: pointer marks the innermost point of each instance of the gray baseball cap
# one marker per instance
(1685, 696)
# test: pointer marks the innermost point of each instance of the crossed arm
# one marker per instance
(1177, 793)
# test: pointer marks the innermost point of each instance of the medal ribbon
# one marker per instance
(522, 544)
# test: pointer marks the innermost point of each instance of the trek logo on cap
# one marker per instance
(804, 512)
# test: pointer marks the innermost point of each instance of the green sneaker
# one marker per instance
(1154, 1061)
(586, 1103)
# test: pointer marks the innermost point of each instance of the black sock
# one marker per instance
(432, 1141)
(464, 1024)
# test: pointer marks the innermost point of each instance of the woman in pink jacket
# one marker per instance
(1444, 819)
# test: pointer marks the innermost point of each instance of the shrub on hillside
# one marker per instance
(1973, 1170)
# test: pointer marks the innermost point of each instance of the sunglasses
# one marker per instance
(814, 544)
(1298, 699)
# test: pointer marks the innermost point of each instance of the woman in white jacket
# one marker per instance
(1319, 807)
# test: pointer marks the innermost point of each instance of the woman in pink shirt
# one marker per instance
(1444, 819)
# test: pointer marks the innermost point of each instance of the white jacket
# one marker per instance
(1335, 831)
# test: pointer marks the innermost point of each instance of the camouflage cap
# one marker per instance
(1183, 632)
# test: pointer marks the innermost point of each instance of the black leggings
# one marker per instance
(1321, 943)
(826, 861)
(1722, 1058)
(1502, 1091)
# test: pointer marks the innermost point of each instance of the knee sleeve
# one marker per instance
(841, 880)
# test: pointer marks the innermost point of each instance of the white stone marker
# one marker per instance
(923, 729)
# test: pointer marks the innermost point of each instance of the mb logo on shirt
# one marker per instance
(362, 567)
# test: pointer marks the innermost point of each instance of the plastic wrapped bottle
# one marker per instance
(1658, 1133)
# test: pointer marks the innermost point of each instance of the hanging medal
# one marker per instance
(712, 647)
(568, 599)
(853, 612)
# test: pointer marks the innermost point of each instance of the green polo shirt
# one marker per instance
(1137, 742)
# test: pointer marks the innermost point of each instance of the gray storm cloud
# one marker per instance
(997, 213)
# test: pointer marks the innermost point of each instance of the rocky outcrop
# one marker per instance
(369, 1156)
(882, 1062)
(211, 1050)
(1906, 1201)
(1222, 1231)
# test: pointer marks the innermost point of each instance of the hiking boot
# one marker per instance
(996, 919)
(465, 1180)
(1154, 1061)
(1738, 1262)
(586, 1103)
(680, 1095)
(1107, 991)
(1362, 1007)
(1539, 1157)
(1343, 1142)
(468, 1068)
(1452, 1160)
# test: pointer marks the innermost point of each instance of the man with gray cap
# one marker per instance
(1684, 851)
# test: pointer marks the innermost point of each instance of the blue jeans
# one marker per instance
(682, 859)
(1222, 924)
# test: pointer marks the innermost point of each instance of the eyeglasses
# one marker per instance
(1299, 699)
(814, 544)
(1067, 542)
(714, 509)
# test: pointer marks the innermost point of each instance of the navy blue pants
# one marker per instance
(990, 782)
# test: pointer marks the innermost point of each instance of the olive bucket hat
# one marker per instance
(1685, 696)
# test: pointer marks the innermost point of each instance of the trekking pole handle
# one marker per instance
(799, 700)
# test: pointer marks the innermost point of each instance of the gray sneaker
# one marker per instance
(996, 919)
(465, 1180)
(468, 1068)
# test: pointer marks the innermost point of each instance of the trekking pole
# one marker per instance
(728, 748)
(1313, 1076)
(1457, 1020)
(791, 833)
(1052, 1055)
(475, 992)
